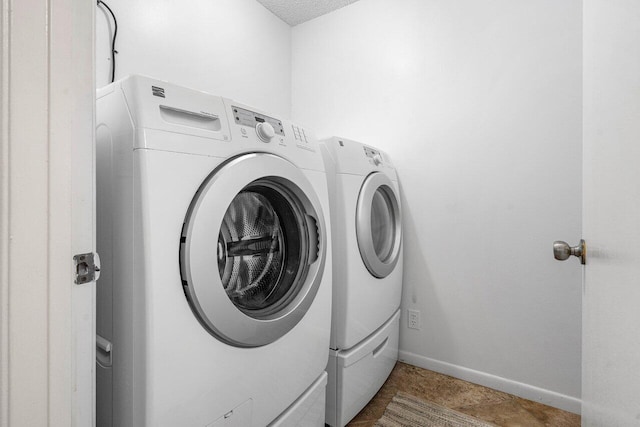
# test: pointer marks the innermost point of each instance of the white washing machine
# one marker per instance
(367, 276)
(214, 302)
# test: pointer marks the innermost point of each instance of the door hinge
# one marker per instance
(87, 267)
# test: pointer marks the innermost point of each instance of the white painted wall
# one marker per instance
(479, 105)
(233, 48)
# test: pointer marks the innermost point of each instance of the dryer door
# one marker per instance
(252, 251)
(378, 225)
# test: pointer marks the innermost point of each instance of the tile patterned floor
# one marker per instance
(481, 402)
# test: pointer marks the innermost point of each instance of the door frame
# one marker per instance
(47, 207)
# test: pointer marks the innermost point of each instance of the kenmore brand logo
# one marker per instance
(157, 91)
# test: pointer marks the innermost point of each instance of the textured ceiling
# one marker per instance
(295, 12)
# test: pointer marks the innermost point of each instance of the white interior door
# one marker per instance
(47, 100)
(611, 294)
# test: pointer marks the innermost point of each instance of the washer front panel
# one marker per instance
(252, 251)
(378, 225)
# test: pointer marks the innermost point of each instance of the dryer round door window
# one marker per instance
(382, 224)
(378, 225)
(252, 251)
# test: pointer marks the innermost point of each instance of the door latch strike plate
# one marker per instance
(87, 267)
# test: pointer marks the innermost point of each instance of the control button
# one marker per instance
(265, 131)
(377, 159)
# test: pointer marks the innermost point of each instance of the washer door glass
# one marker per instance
(252, 250)
(378, 225)
(262, 248)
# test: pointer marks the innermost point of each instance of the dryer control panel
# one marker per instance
(374, 155)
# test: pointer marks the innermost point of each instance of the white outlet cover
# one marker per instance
(413, 319)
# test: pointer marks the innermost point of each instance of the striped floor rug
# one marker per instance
(409, 411)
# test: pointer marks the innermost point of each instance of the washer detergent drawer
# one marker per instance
(362, 370)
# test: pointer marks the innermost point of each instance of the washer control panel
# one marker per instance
(258, 121)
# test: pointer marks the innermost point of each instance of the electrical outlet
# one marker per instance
(413, 319)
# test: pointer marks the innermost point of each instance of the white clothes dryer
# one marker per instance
(367, 274)
(213, 308)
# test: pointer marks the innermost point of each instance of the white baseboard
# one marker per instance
(551, 398)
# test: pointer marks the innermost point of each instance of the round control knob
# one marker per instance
(265, 131)
(377, 159)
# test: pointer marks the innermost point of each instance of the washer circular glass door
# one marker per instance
(378, 225)
(252, 251)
